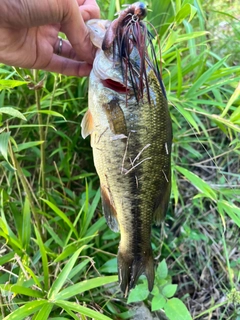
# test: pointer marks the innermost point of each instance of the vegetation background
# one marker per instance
(57, 256)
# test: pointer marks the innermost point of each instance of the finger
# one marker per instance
(68, 67)
(66, 50)
(89, 9)
(78, 35)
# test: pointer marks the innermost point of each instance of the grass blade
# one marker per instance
(198, 183)
(12, 112)
(4, 139)
(44, 312)
(21, 290)
(6, 258)
(9, 84)
(23, 312)
(26, 224)
(62, 216)
(44, 259)
(62, 277)
(193, 91)
(231, 210)
(84, 286)
(82, 310)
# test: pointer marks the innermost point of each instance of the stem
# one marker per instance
(42, 138)
(1, 306)
(50, 105)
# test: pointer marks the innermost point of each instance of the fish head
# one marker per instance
(122, 61)
(107, 65)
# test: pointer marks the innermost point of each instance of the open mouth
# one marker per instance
(114, 85)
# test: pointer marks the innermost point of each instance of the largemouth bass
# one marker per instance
(131, 134)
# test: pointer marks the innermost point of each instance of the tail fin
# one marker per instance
(131, 267)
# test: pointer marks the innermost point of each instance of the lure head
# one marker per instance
(124, 57)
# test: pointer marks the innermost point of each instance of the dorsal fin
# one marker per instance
(87, 124)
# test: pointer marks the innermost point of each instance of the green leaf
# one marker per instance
(193, 91)
(235, 116)
(169, 290)
(12, 112)
(187, 114)
(158, 302)
(90, 213)
(9, 84)
(162, 270)
(139, 293)
(6, 165)
(176, 310)
(186, 37)
(63, 275)
(3, 226)
(231, 210)
(59, 318)
(171, 40)
(69, 250)
(234, 96)
(44, 312)
(111, 10)
(23, 312)
(219, 119)
(85, 286)
(110, 266)
(77, 270)
(73, 315)
(7, 257)
(175, 190)
(17, 289)
(82, 310)
(44, 258)
(62, 216)
(26, 145)
(198, 183)
(4, 139)
(26, 224)
(54, 235)
(184, 12)
(48, 112)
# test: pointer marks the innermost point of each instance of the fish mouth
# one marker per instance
(115, 86)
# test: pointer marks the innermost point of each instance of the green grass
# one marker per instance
(57, 256)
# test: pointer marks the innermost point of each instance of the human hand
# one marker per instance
(29, 35)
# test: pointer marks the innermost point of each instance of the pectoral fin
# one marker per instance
(87, 124)
(109, 210)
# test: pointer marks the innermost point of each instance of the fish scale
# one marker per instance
(131, 142)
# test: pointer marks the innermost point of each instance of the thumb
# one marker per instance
(78, 35)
